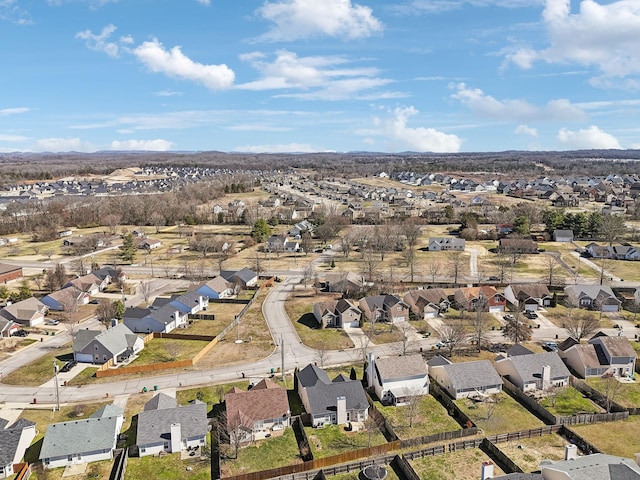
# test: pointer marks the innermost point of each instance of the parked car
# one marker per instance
(20, 333)
(68, 365)
(52, 321)
(550, 346)
(530, 314)
(509, 318)
(494, 279)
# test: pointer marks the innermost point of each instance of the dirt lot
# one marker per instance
(460, 465)
(527, 453)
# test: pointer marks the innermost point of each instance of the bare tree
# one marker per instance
(611, 390)
(363, 345)
(455, 261)
(580, 324)
(147, 287)
(346, 243)
(105, 311)
(491, 403)
(453, 334)
(307, 275)
(72, 329)
(434, 268)
(56, 278)
(480, 321)
(515, 329)
(322, 354)
(172, 349)
(552, 266)
(371, 264)
(412, 397)
(407, 341)
(411, 232)
(552, 392)
(69, 301)
(612, 228)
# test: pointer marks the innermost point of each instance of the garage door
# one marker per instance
(610, 308)
(84, 358)
(498, 308)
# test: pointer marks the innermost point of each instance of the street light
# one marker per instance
(55, 376)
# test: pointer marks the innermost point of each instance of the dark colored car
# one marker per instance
(68, 365)
(530, 314)
(20, 333)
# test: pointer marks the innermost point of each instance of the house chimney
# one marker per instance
(546, 376)
(487, 470)
(341, 414)
(176, 437)
(201, 302)
(570, 452)
(370, 370)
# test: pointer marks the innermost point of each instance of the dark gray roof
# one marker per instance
(530, 366)
(10, 438)
(597, 466)
(79, 436)
(161, 401)
(438, 360)
(154, 426)
(323, 393)
(518, 349)
(114, 339)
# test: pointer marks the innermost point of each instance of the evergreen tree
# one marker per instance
(260, 230)
(128, 250)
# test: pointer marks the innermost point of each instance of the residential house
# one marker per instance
(161, 317)
(59, 299)
(337, 313)
(535, 371)
(336, 401)
(244, 277)
(190, 303)
(116, 344)
(593, 297)
(215, 288)
(560, 235)
(602, 355)
(344, 282)
(8, 327)
(517, 246)
(9, 273)
(439, 244)
(28, 313)
(256, 413)
(384, 308)
(88, 283)
(147, 243)
(164, 426)
(469, 298)
(427, 303)
(82, 441)
(108, 275)
(14, 441)
(529, 296)
(468, 379)
(275, 243)
(398, 378)
(597, 251)
(597, 466)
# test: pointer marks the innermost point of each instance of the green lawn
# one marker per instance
(628, 394)
(263, 455)
(308, 328)
(430, 417)
(615, 438)
(88, 375)
(333, 440)
(569, 401)
(508, 415)
(39, 371)
(167, 467)
(160, 350)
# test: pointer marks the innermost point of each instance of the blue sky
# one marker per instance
(319, 75)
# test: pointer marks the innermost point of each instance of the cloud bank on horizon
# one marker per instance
(307, 76)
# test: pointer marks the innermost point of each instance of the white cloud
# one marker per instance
(417, 7)
(284, 148)
(157, 145)
(92, 3)
(12, 12)
(601, 36)
(176, 64)
(323, 77)
(4, 112)
(299, 19)
(257, 128)
(526, 130)
(63, 145)
(421, 139)
(206, 3)
(587, 138)
(515, 109)
(99, 42)
(167, 93)
(12, 138)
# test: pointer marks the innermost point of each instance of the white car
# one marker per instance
(52, 322)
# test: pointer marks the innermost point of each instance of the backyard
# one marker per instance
(615, 438)
(334, 439)
(527, 453)
(167, 467)
(459, 465)
(626, 394)
(568, 401)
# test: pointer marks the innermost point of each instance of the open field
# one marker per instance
(429, 417)
(41, 370)
(507, 416)
(460, 465)
(615, 438)
(527, 453)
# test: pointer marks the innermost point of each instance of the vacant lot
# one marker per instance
(460, 465)
(428, 418)
(614, 438)
(505, 416)
(334, 439)
(41, 370)
(161, 350)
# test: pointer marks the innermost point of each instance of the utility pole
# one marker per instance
(282, 359)
(55, 376)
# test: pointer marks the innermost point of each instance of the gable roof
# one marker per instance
(522, 291)
(616, 346)
(596, 466)
(476, 374)
(79, 436)
(265, 400)
(323, 393)
(161, 401)
(10, 439)
(114, 340)
(23, 310)
(154, 426)
(518, 349)
(401, 367)
(529, 367)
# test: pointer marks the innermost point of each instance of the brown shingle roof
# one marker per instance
(264, 401)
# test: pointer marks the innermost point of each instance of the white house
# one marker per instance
(396, 378)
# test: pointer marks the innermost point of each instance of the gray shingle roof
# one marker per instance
(161, 401)
(530, 366)
(9, 439)
(476, 374)
(597, 466)
(114, 339)
(79, 436)
(154, 426)
(323, 393)
(401, 367)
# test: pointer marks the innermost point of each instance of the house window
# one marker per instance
(143, 450)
